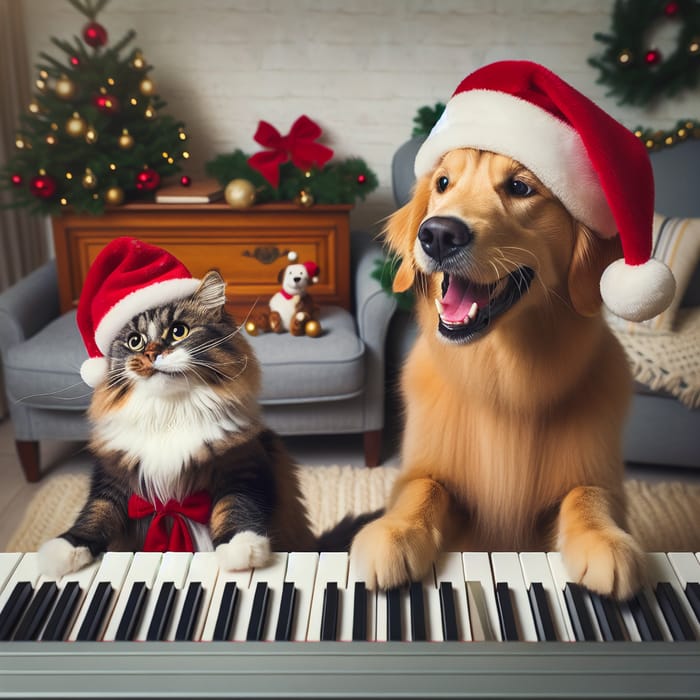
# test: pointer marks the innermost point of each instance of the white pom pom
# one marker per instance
(292, 256)
(94, 370)
(637, 292)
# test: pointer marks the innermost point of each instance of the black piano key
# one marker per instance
(37, 612)
(692, 593)
(541, 613)
(190, 610)
(96, 612)
(648, 627)
(57, 626)
(578, 613)
(394, 626)
(14, 608)
(608, 618)
(132, 612)
(359, 613)
(415, 593)
(256, 623)
(329, 615)
(161, 612)
(450, 632)
(506, 614)
(283, 632)
(673, 613)
(224, 618)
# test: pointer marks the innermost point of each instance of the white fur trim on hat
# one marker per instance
(138, 301)
(94, 370)
(637, 292)
(551, 149)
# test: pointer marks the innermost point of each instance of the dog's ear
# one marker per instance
(592, 254)
(401, 232)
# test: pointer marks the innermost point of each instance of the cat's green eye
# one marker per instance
(135, 342)
(179, 331)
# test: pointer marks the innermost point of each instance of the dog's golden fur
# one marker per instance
(512, 441)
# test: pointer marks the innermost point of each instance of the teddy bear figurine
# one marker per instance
(292, 308)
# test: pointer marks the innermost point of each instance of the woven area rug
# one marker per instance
(662, 516)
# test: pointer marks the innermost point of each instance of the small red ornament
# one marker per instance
(16, 179)
(671, 8)
(95, 34)
(43, 186)
(652, 57)
(185, 180)
(107, 104)
(74, 61)
(147, 180)
(361, 179)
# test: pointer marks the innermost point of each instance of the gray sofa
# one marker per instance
(332, 384)
(660, 430)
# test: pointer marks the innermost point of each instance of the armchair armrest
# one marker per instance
(28, 306)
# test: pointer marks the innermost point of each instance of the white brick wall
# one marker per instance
(361, 68)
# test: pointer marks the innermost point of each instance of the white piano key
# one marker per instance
(506, 569)
(449, 568)
(477, 568)
(8, 563)
(536, 569)
(332, 566)
(433, 612)
(686, 567)
(273, 574)
(27, 569)
(301, 571)
(242, 581)
(113, 568)
(204, 569)
(345, 624)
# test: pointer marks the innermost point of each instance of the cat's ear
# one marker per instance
(211, 293)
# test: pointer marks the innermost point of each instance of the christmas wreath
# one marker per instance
(638, 72)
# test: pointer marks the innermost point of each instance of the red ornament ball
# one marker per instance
(43, 186)
(95, 35)
(107, 104)
(652, 57)
(671, 8)
(185, 180)
(361, 179)
(147, 180)
(16, 179)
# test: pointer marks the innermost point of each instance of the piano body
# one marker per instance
(499, 625)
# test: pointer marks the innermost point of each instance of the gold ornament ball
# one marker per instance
(65, 88)
(305, 199)
(89, 180)
(114, 196)
(126, 141)
(147, 87)
(251, 328)
(76, 125)
(312, 328)
(239, 193)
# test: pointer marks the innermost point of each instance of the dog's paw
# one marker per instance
(245, 550)
(59, 557)
(608, 561)
(388, 553)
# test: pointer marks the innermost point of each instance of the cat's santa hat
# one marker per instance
(127, 277)
(596, 167)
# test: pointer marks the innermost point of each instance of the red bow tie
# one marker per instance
(196, 506)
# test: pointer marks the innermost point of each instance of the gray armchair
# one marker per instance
(333, 384)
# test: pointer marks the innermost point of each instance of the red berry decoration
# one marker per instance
(361, 179)
(43, 186)
(95, 35)
(107, 104)
(671, 8)
(147, 180)
(74, 61)
(185, 180)
(652, 57)
(16, 179)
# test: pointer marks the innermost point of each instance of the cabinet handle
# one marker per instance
(266, 254)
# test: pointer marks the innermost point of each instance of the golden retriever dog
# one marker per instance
(515, 391)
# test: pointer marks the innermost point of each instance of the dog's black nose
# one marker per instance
(443, 236)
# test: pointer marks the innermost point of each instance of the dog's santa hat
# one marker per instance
(596, 167)
(127, 277)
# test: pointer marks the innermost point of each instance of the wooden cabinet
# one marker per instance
(249, 247)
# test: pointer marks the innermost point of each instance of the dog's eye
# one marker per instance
(442, 183)
(519, 188)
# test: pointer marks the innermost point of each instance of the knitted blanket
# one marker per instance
(662, 517)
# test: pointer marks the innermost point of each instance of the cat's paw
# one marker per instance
(59, 557)
(246, 550)
(607, 561)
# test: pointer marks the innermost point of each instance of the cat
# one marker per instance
(177, 417)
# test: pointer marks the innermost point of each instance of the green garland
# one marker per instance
(336, 183)
(656, 139)
(426, 118)
(637, 72)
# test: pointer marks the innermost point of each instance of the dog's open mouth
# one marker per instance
(468, 309)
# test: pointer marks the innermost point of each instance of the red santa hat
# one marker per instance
(312, 270)
(127, 278)
(596, 167)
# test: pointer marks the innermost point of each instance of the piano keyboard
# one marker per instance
(496, 601)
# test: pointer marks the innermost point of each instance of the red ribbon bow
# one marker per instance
(196, 506)
(298, 145)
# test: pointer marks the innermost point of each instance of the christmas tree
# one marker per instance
(93, 134)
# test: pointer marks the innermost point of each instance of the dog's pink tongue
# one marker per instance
(459, 299)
